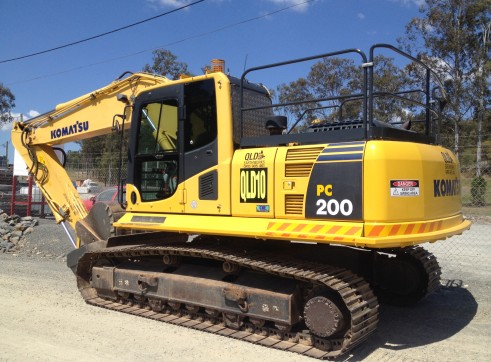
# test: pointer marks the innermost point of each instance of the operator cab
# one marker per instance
(167, 133)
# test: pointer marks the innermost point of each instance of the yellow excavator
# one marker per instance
(236, 224)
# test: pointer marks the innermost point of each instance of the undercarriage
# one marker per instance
(310, 299)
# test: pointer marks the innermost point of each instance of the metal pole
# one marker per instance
(12, 200)
(68, 234)
(29, 195)
(6, 145)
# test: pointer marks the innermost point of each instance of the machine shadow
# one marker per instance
(438, 317)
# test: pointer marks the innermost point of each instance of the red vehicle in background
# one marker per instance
(110, 195)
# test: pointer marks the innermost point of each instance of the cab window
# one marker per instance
(158, 131)
(157, 150)
(201, 114)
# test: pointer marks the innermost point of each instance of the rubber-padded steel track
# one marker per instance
(356, 294)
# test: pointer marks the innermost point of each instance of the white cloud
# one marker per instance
(299, 5)
(171, 3)
(418, 3)
(32, 113)
(7, 127)
(360, 16)
(159, 4)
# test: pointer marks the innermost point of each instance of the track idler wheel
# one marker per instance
(323, 317)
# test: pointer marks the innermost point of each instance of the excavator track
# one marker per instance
(412, 275)
(357, 298)
(430, 264)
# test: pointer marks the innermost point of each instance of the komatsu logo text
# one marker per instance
(78, 127)
(254, 185)
(443, 188)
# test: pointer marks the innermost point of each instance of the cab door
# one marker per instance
(201, 172)
(155, 172)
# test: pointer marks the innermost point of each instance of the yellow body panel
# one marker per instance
(422, 213)
(431, 167)
(406, 199)
(259, 228)
(173, 204)
(343, 233)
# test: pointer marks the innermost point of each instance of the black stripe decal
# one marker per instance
(343, 149)
(341, 157)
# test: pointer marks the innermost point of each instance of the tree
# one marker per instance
(165, 63)
(7, 102)
(483, 71)
(328, 78)
(447, 35)
(390, 79)
(339, 81)
(297, 91)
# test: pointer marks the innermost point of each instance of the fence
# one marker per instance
(106, 176)
(460, 253)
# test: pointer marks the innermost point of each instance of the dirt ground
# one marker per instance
(43, 317)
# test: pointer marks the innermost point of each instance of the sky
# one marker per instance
(245, 33)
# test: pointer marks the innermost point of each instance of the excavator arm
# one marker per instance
(97, 113)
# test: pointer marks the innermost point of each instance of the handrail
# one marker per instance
(300, 60)
(366, 96)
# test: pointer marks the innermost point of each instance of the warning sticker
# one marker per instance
(400, 188)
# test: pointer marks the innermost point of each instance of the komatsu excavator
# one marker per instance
(236, 225)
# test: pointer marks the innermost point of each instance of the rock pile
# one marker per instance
(13, 230)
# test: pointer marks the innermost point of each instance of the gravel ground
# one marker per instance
(47, 320)
(48, 240)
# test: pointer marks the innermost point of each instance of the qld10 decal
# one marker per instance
(332, 207)
(253, 185)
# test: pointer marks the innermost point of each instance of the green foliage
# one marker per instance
(103, 151)
(389, 78)
(452, 36)
(165, 63)
(468, 142)
(328, 78)
(331, 78)
(297, 91)
(478, 191)
(7, 102)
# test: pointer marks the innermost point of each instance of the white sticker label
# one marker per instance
(401, 188)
